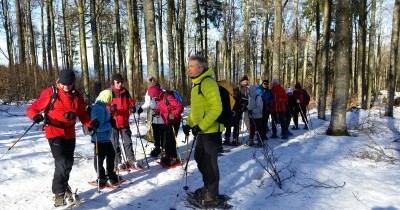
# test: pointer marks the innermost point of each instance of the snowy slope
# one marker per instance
(356, 172)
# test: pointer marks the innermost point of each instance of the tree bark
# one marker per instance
(7, 29)
(171, 45)
(337, 126)
(83, 54)
(53, 39)
(371, 54)
(151, 40)
(362, 51)
(118, 35)
(131, 67)
(246, 40)
(160, 29)
(277, 39)
(32, 48)
(95, 47)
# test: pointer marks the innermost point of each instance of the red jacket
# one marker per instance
(302, 96)
(280, 99)
(56, 124)
(169, 104)
(122, 99)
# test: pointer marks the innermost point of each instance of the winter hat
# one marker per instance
(117, 77)
(297, 86)
(245, 77)
(154, 91)
(66, 77)
(275, 82)
(265, 81)
(105, 96)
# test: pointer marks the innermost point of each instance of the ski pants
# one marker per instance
(302, 111)
(279, 117)
(257, 124)
(63, 154)
(158, 134)
(206, 154)
(105, 151)
(171, 132)
(126, 134)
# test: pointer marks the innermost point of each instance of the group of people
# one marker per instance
(109, 120)
(255, 105)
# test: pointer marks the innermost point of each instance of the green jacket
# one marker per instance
(205, 107)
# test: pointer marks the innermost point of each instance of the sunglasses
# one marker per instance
(118, 82)
(265, 83)
(65, 84)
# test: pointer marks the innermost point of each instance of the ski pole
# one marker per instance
(176, 143)
(303, 116)
(141, 141)
(97, 162)
(309, 117)
(184, 175)
(123, 152)
(19, 138)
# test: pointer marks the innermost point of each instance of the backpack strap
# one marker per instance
(53, 99)
(199, 84)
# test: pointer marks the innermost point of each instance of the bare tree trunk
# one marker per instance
(305, 56)
(181, 40)
(44, 56)
(362, 50)
(136, 43)
(246, 34)
(53, 39)
(323, 75)
(371, 54)
(277, 39)
(379, 68)
(32, 48)
(160, 29)
(171, 45)
(394, 62)
(296, 45)
(315, 86)
(131, 67)
(118, 37)
(7, 29)
(83, 54)
(20, 31)
(337, 126)
(95, 46)
(66, 36)
(151, 40)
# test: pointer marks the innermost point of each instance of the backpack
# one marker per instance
(227, 99)
(176, 95)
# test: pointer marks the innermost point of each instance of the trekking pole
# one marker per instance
(184, 174)
(19, 138)
(141, 142)
(304, 117)
(176, 143)
(123, 152)
(309, 117)
(97, 161)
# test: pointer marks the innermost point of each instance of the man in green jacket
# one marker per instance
(206, 106)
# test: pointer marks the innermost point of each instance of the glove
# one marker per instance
(195, 130)
(113, 108)
(156, 111)
(95, 124)
(140, 110)
(132, 109)
(186, 129)
(298, 101)
(38, 118)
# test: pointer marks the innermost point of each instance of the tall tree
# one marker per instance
(324, 71)
(53, 37)
(151, 40)
(246, 37)
(136, 43)
(277, 39)
(362, 26)
(83, 53)
(160, 34)
(337, 126)
(371, 54)
(394, 58)
(118, 35)
(7, 29)
(131, 66)
(44, 54)
(171, 43)
(32, 45)
(296, 38)
(20, 30)
(95, 46)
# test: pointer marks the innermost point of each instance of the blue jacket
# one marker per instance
(101, 113)
(266, 96)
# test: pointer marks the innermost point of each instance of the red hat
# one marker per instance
(154, 91)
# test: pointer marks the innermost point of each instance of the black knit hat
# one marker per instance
(117, 77)
(66, 77)
(244, 78)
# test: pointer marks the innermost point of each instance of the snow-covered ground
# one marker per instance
(324, 172)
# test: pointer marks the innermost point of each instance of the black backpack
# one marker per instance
(227, 99)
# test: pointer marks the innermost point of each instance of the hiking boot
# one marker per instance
(199, 193)
(59, 200)
(113, 180)
(295, 128)
(69, 196)
(155, 152)
(169, 161)
(210, 200)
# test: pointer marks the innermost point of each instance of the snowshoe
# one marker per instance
(59, 200)
(219, 202)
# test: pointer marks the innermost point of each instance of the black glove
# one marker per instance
(113, 108)
(95, 124)
(132, 109)
(195, 130)
(186, 129)
(140, 110)
(38, 118)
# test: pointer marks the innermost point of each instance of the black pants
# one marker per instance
(266, 119)
(171, 132)
(235, 124)
(158, 134)
(126, 134)
(279, 117)
(63, 154)
(105, 152)
(302, 111)
(256, 124)
(206, 153)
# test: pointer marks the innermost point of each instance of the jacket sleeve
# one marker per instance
(39, 104)
(212, 97)
(81, 112)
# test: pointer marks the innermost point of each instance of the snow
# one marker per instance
(360, 171)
